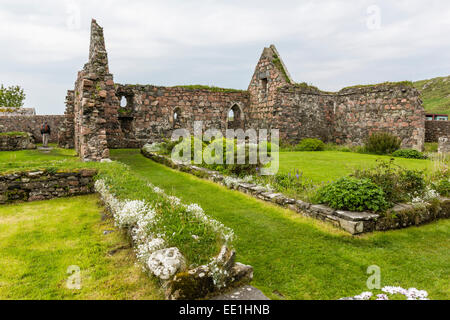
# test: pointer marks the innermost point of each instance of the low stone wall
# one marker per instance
(19, 141)
(44, 185)
(436, 129)
(32, 124)
(401, 216)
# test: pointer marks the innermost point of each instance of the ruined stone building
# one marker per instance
(95, 121)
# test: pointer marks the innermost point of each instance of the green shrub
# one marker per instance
(397, 183)
(409, 154)
(353, 194)
(443, 187)
(382, 143)
(310, 145)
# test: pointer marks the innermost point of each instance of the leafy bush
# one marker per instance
(353, 194)
(310, 145)
(11, 97)
(382, 143)
(409, 154)
(443, 187)
(211, 160)
(397, 183)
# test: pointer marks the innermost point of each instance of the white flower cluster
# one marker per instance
(428, 195)
(152, 249)
(410, 294)
(154, 147)
(227, 234)
(231, 182)
(137, 216)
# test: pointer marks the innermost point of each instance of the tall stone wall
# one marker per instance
(303, 112)
(150, 111)
(436, 129)
(95, 104)
(32, 124)
(392, 108)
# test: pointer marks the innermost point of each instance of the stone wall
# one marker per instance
(44, 185)
(150, 110)
(14, 112)
(19, 141)
(95, 104)
(32, 124)
(436, 129)
(272, 101)
(391, 108)
(444, 145)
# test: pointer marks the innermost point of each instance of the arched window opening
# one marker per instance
(176, 118)
(123, 102)
(235, 118)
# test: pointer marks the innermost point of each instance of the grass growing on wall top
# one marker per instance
(14, 133)
(209, 88)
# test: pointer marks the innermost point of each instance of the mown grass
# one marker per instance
(302, 258)
(40, 240)
(126, 185)
(326, 166)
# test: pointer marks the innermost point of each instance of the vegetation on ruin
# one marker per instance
(11, 97)
(300, 258)
(40, 240)
(435, 94)
(277, 62)
(14, 133)
(409, 154)
(383, 84)
(209, 88)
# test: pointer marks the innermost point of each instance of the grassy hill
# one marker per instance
(435, 94)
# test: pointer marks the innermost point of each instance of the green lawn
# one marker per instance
(302, 258)
(40, 240)
(329, 165)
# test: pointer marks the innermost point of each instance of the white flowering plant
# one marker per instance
(392, 293)
(157, 221)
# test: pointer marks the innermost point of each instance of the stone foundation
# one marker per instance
(14, 142)
(355, 223)
(45, 185)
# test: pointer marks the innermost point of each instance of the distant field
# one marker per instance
(435, 94)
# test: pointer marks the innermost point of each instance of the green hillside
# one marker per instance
(435, 94)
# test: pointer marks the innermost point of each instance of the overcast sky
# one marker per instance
(331, 44)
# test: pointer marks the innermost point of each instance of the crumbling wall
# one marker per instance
(150, 111)
(95, 104)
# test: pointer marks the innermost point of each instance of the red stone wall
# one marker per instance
(149, 115)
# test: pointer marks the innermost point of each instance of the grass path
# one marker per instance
(40, 240)
(302, 258)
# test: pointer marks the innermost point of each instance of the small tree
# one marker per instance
(11, 97)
